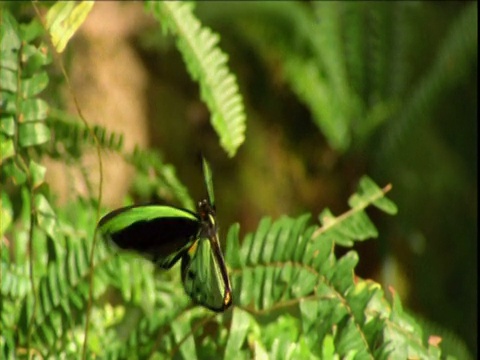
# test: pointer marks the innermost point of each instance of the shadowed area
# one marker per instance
(161, 240)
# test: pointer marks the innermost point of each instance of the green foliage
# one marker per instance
(23, 78)
(392, 87)
(326, 75)
(206, 64)
(72, 136)
(451, 344)
(348, 62)
(63, 20)
(155, 178)
(457, 51)
(293, 297)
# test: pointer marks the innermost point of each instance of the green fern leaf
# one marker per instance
(457, 54)
(288, 266)
(63, 20)
(72, 137)
(207, 65)
(22, 113)
(355, 224)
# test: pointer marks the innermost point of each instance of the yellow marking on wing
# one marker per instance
(193, 249)
(227, 299)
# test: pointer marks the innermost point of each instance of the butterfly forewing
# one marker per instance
(159, 233)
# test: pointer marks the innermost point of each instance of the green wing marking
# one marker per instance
(205, 276)
(160, 233)
(124, 217)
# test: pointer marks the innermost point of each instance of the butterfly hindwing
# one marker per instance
(204, 272)
(203, 277)
(159, 233)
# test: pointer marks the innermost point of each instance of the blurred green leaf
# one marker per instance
(328, 348)
(34, 58)
(33, 133)
(45, 214)
(6, 214)
(7, 125)
(9, 40)
(232, 254)
(34, 85)
(7, 104)
(31, 31)
(37, 172)
(7, 148)
(63, 20)
(9, 80)
(14, 172)
(237, 335)
(34, 110)
(182, 331)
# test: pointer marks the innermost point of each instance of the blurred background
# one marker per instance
(332, 91)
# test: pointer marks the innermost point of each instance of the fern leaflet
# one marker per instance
(207, 65)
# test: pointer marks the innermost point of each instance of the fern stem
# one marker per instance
(30, 266)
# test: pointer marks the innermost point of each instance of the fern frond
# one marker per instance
(154, 174)
(355, 225)
(380, 49)
(62, 294)
(308, 83)
(355, 38)
(70, 136)
(288, 267)
(311, 65)
(22, 78)
(450, 344)
(23, 128)
(207, 65)
(63, 286)
(456, 56)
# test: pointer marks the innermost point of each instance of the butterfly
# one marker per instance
(166, 234)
